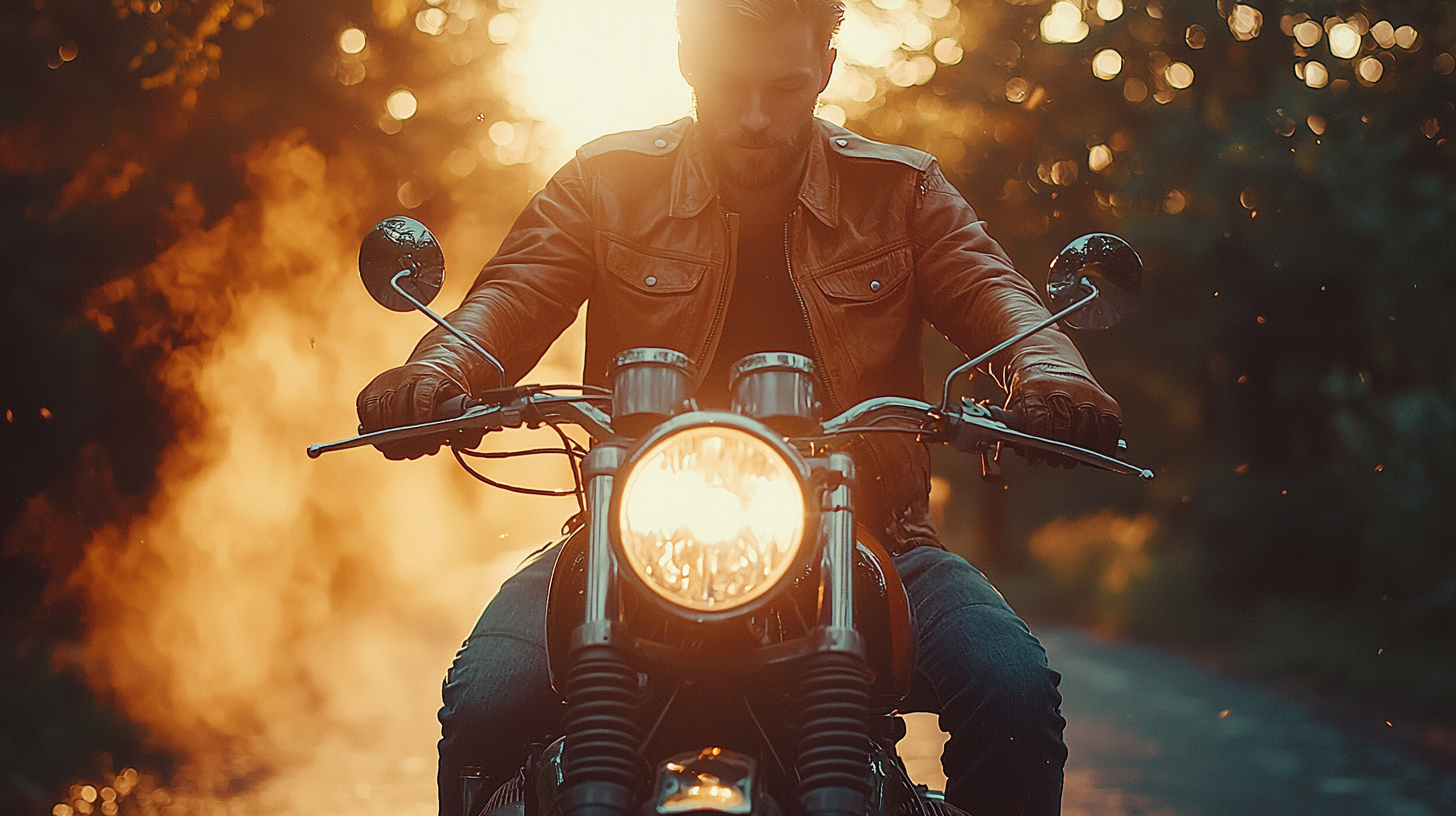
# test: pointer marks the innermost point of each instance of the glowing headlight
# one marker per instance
(711, 517)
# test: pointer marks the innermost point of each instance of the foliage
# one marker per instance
(1291, 373)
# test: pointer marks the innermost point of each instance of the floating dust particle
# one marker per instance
(1244, 468)
(1223, 715)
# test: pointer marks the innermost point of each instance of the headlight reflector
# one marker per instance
(711, 517)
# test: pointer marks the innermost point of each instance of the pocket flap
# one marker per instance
(652, 273)
(868, 280)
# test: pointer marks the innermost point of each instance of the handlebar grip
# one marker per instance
(1011, 419)
(1017, 422)
(454, 407)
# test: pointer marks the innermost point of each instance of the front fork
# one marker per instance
(601, 765)
(833, 692)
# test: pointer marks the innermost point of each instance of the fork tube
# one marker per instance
(600, 468)
(839, 550)
(832, 694)
(599, 760)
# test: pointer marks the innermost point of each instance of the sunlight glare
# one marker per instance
(593, 67)
(586, 68)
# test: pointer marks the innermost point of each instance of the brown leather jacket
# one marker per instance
(879, 243)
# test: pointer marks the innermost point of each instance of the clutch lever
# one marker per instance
(981, 427)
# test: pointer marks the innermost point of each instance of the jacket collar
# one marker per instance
(693, 184)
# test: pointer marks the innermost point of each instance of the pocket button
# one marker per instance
(651, 280)
(874, 286)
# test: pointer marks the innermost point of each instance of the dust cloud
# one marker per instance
(280, 624)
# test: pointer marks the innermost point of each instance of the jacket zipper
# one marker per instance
(804, 310)
(722, 294)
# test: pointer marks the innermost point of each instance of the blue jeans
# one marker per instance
(978, 667)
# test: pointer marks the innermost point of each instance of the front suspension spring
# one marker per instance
(833, 696)
(600, 764)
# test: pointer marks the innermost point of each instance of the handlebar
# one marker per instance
(455, 407)
(975, 428)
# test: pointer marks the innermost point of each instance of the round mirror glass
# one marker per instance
(401, 244)
(1111, 265)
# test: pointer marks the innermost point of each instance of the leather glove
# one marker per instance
(408, 395)
(1062, 403)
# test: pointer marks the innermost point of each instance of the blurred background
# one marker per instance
(196, 618)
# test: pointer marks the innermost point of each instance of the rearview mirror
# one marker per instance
(404, 249)
(1109, 264)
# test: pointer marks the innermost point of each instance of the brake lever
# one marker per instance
(471, 419)
(978, 430)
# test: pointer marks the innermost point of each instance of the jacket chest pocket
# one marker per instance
(651, 274)
(868, 280)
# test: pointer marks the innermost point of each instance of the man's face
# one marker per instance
(755, 86)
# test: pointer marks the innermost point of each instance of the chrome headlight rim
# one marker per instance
(808, 543)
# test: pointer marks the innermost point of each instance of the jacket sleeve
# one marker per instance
(972, 294)
(529, 293)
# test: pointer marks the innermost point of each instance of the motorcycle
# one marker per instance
(727, 639)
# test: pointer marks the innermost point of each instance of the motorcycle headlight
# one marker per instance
(710, 517)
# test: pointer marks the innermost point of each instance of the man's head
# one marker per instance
(757, 68)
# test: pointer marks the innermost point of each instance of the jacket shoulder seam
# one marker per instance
(851, 145)
(657, 141)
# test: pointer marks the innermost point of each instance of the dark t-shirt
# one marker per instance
(763, 313)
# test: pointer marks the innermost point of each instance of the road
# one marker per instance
(1153, 734)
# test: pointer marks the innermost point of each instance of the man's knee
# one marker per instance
(497, 693)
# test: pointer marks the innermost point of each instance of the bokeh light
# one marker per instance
(1344, 40)
(1245, 22)
(1175, 202)
(1109, 10)
(432, 21)
(948, 51)
(352, 41)
(1370, 70)
(1308, 33)
(1315, 74)
(1017, 89)
(401, 105)
(1107, 64)
(1383, 33)
(1179, 75)
(1064, 23)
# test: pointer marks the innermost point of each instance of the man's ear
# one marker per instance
(828, 67)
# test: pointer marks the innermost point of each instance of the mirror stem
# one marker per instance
(969, 364)
(444, 324)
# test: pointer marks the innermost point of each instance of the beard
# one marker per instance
(759, 160)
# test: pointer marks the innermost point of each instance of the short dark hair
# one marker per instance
(824, 15)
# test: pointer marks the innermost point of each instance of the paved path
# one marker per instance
(1149, 735)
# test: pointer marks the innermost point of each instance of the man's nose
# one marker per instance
(755, 117)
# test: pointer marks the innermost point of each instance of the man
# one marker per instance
(757, 227)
